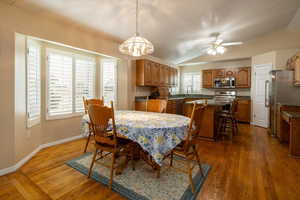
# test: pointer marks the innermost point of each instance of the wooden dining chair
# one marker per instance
(86, 103)
(107, 141)
(187, 149)
(156, 105)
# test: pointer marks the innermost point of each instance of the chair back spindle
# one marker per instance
(87, 102)
(194, 125)
(100, 117)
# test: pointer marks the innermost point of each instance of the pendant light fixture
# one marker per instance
(136, 46)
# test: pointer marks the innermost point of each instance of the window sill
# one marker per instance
(66, 116)
(33, 122)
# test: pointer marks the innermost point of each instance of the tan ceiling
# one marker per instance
(177, 28)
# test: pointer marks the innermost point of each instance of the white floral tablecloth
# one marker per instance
(156, 133)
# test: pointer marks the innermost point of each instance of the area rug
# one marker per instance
(142, 184)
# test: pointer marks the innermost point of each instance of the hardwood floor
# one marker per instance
(252, 166)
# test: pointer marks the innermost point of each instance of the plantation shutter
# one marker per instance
(191, 82)
(60, 84)
(84, 81)
(187, 82)
(109, 80)
(33, 85)
(196, 83)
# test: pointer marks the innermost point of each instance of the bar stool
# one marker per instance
(227, 121)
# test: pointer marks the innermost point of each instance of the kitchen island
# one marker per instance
(209, 128)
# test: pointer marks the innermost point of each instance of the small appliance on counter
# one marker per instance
(224, 82)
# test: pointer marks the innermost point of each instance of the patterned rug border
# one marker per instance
(129, 194)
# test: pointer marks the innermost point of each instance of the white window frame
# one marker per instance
(74, 56)
(37, 120)
(115, 77)
(192, 91)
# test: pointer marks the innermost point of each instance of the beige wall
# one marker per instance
(216, 65)
(16, 140)
(277, 59)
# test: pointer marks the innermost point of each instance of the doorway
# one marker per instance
(260, 95)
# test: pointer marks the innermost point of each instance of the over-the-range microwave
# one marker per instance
(224, 82)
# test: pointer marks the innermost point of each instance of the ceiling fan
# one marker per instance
(218, 47)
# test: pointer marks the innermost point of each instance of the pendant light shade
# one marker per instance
(136, 46)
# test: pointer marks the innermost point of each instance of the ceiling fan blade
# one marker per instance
(218, 41)
(232, 43)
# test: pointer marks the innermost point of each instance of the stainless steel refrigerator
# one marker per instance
(281, 90)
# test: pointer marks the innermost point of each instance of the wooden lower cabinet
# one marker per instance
(140, 105)
(172, 107)
(209, 123)
(243, 110)
(283, 136)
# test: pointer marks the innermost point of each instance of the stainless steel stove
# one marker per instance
(225, 96)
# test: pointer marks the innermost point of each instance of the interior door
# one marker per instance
(260, 97)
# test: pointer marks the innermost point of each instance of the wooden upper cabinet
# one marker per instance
(243, 77)
(297, 72)
(162, 81)
(230, 73)
(219, 73)
(176, 77)
(166, 75)
(170, 76)
(207, 78)
(155, 74)
(149, 73)
(173, 75)
(143, 73)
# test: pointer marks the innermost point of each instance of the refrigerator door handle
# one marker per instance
(267, 102)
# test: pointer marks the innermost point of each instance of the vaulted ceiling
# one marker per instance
(177, 28)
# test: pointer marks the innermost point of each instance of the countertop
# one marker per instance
(210, 102)
(288, 104)
(291, 114)
(185, 96)
(179, 97)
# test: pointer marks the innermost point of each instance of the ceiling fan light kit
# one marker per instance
(136, 46)
(218, 47)
(214, 50)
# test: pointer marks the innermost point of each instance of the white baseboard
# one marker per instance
(29, 156)
(61, 141)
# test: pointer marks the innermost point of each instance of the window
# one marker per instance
(70, 77)
(191, 82)
(85, 81)
(109, 80)
(33, 103)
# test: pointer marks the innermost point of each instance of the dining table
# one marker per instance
(156, 133)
